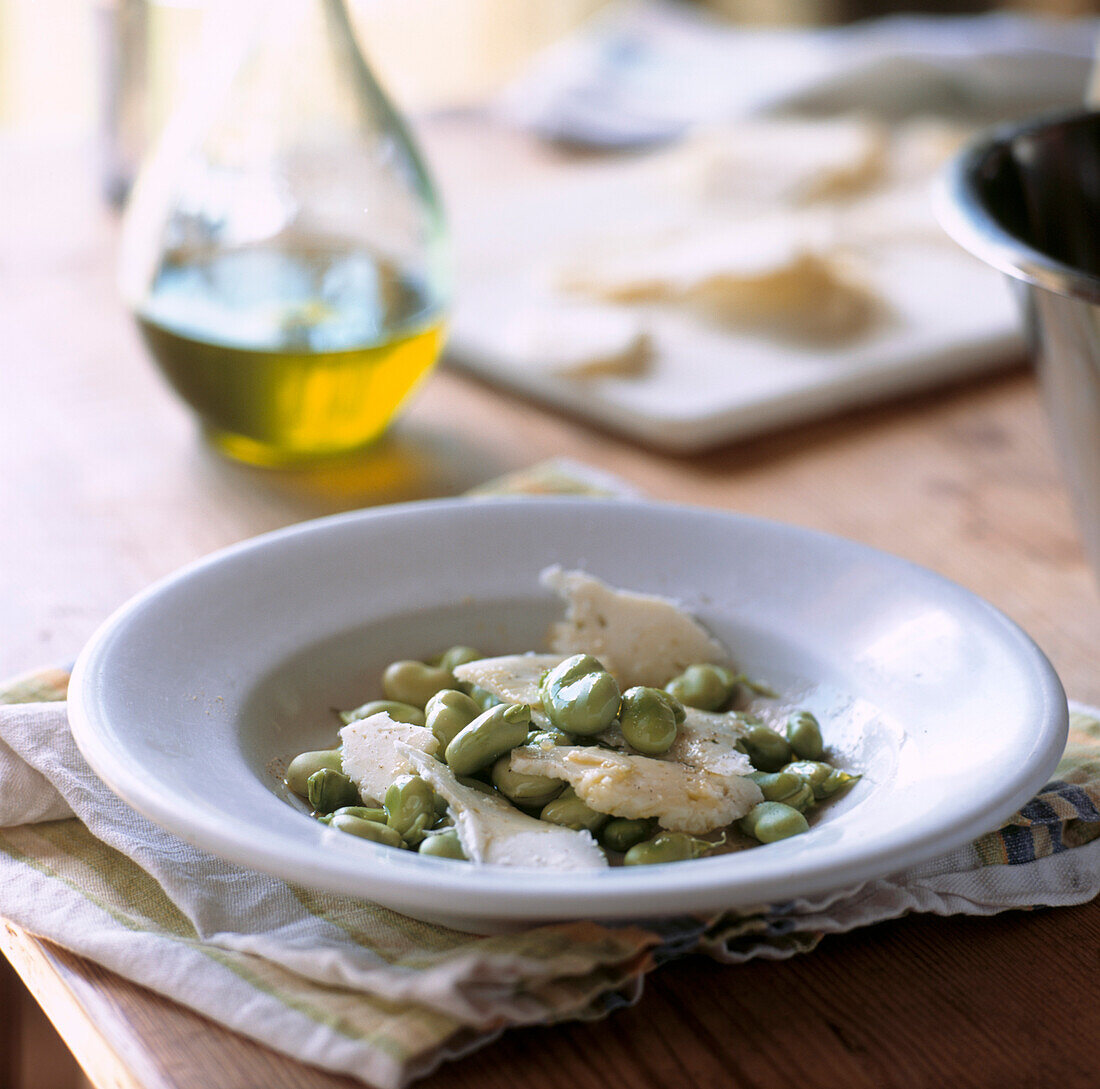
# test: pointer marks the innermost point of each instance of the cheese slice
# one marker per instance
(574, 339)
(374, 751)
(639, 638)
(669, 266)
(811, 297)
(783, 277)
(512, 678)
(706, 741)
(789, 160)
(683, 799)
(492, 830)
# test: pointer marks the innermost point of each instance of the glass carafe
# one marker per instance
(284, 251)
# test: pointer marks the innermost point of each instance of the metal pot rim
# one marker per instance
(961, 211)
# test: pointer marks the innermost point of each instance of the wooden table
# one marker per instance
(104, 487)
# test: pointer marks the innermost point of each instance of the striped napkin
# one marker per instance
(355, 988)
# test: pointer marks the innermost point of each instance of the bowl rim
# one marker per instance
(961, 212)
(698, 886)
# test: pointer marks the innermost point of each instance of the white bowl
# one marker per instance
(188, 697)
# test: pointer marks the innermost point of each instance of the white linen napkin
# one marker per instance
(355, 988)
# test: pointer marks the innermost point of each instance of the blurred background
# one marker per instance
(431, 54)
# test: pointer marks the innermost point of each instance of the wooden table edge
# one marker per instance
(73, 1007)
(104, 1019)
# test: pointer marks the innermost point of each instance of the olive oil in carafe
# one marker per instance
(290, 354)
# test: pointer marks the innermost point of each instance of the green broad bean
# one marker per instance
(414, 682)
(785, 787)
(704, 686)
(803, 799)
(477, 784)
(622, 833)
(410, 807)
(757, 688)
(448, 712)
(305, 764)
(372, 830)
(647, 717)
(579, 696)
(481, 696)
(526, 791)
(551, 735)
(777, 785)
(491, 734)
(363, 812)
(329, 790)
(444, 844)
(766, 750)
(824, 779)
(678, 711)
(666, 847)
(772, 821)
(399, 712)
(460, 655)
(804, 734)
(570, 812)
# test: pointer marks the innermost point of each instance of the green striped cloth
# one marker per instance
(356, 988)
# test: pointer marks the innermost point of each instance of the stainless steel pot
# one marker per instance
(1025, 198)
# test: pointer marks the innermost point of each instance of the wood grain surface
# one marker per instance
(106, 486)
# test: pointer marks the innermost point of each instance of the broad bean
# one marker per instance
(772, 821)
(363, 812)
(449, 711)
(647, 717)
(704, 686)
(414, 682)
(786, 787)
(527, 791)
(372, 830)
(766, 750)
(481, 696)
(491, 734)
(666, 847)
(410, 807)
(305, 764)
(622, 833)
(445, 844)
(580, 696)
(459, 655)
(569, 811)
(824, 779)
(328, 790)
(804, 734)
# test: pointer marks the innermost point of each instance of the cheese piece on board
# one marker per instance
(784, 277)
(572, 339)
(789, 160)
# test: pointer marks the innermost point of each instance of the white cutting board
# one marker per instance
(949, 316)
